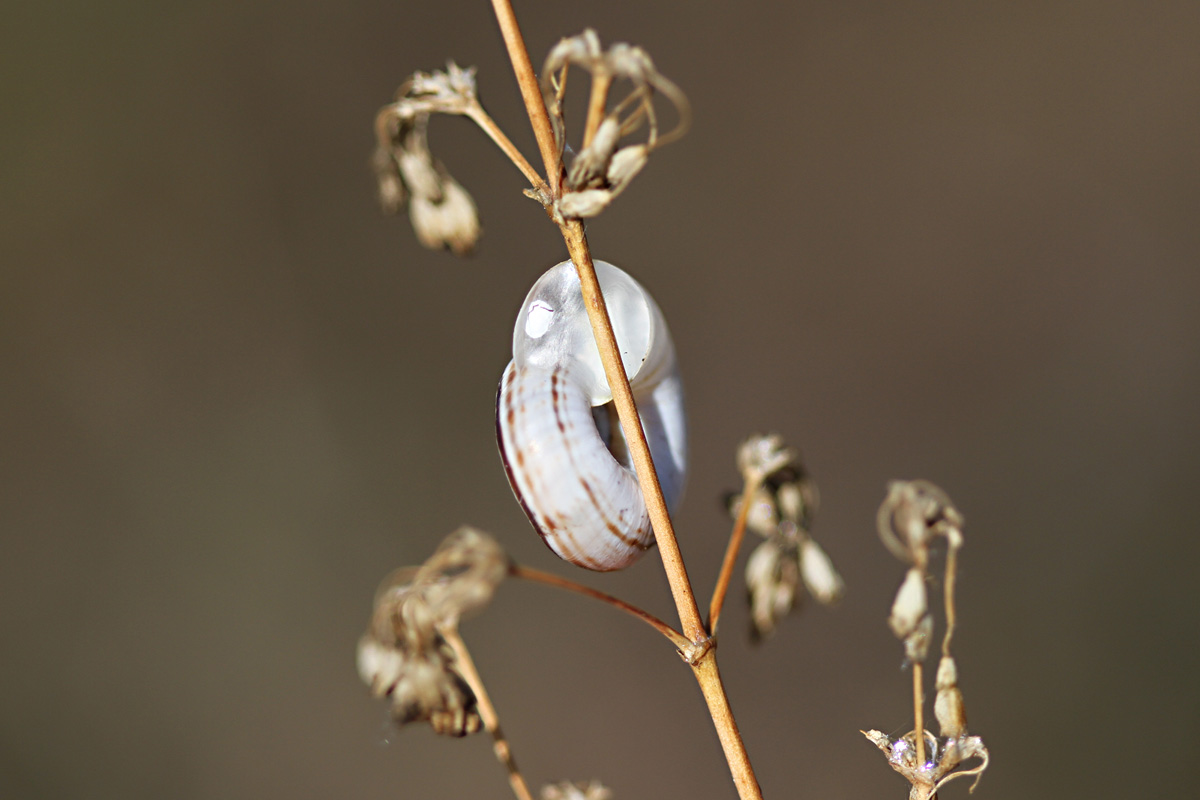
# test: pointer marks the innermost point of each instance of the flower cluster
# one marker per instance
(782, 501)
(442, 212)
(914, 516)
(603, 168)
(404, 655)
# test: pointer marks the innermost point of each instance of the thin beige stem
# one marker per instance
(531, 93)
(919, 710)
(481, 118)
(639, 450)
(725, 576)
(491, 720)
(709, 678)
(597, 103)
(704, 666)
(557, 581)
(948, 598)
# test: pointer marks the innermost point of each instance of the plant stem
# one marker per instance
(948, 598)
(704, 665)
(919, 710)
(491, 720)
(597, 102)
(639, 450)
(481, 118)
(550, 579)
(731, 553)
(531, 93)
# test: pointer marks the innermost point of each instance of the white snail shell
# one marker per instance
(560, 440)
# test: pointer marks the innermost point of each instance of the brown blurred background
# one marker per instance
(953, 240)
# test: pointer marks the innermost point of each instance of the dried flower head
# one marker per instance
(783, 501)
(603, 168)
(578, 790)
(943, 759)
(442, 212)
(404, 656)
(911, 515)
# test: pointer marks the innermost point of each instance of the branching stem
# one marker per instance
(704, 664)
(550, 579)
(476, 113)
(731, 554)
(491, 720)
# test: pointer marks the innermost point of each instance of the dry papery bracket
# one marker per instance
(597, 478)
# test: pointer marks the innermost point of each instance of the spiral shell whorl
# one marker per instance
(564, 452)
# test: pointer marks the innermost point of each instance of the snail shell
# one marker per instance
(561, 443)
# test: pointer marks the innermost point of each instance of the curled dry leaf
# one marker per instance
(404, 657)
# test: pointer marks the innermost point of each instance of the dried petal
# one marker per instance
(626, 163)
(584, 204)
(590, 167)
(911, 514)
(771, 579)
(909, 606)
(452, 223)
(948, 706)
(820, 578)
(916, 644)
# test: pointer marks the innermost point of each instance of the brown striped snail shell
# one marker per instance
(561, 443)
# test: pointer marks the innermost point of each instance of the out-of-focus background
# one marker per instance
(955, 241)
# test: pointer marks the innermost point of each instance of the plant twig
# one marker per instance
(550, 579)
(919, 709)
(951, 615)
(725, 576)
(531, 93)
(487, 712)
(703, 660)
(597, 102)
(481, 118)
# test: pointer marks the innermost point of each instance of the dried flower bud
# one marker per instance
(820, 578)
(590, 167)
(760, 456)
(584, 204)
(916, 644)
(912, 513)
(909, 606)
(948, 706)
(462, 575)
(453, 222)
(762, 517)
(592, 790)
(626, 163)
(771, 580)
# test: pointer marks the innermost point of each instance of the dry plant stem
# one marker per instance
(550, 579)
(531, 93)
(481, 118)
(731, 554)
(491, 720)
(919, 709)
(951, 570)
(597, 103)
(704, 665)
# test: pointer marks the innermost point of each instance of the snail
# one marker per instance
(559, 437)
